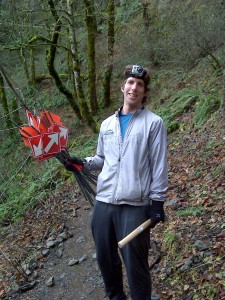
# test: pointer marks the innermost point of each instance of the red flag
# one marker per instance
(63, 135)
(50, 119)
(36, 145)
(33, 121)
(50, 143)
(27, 132)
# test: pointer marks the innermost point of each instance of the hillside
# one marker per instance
(192, 242)
(187, 255)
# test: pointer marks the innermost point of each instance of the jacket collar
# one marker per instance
(137, 112)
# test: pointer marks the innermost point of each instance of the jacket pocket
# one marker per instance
(129, 185)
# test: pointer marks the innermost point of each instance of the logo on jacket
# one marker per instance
(109, 132)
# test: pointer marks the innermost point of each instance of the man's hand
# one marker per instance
(73, 163)
(156, 213)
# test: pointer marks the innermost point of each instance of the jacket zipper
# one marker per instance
(121, 146)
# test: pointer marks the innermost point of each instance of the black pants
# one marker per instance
(111, 223)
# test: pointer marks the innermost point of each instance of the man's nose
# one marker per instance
(134, 86)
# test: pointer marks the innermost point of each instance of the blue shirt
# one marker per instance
(124, 121)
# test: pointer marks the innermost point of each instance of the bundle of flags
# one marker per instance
(47, 137)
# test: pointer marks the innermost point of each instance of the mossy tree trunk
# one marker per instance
(4, 104)
(16, 101)
(15, 108)
(51, 58)
(145, 14)
(91, 29)
(22, 55)
(86, 115)
(111, 40)
(33, 68)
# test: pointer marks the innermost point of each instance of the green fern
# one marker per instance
(206, 106)
(177, 104)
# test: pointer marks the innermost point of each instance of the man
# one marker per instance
(131, 188)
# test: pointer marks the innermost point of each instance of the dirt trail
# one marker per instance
(81, 281)
(75, 282)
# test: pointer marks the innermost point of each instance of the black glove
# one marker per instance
(73, 163)
(156, 213)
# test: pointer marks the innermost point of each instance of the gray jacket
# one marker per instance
(133, 171)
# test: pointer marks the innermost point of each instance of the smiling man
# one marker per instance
(134, 89)
(131, 188)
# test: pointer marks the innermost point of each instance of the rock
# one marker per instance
(80, 240)
(83, 258)
(27, 286)
(59, 239)
(15, 288)
(52, 243)
(73, 262)
(26, 268)
(35, 275)
(187, 265)
(59, 252)
(28, 272)
(171, 202)
(63, 235)
(45, 252)
(74, 212)
(69, 234)
(50, 282)
(201, 246)
(62, 276)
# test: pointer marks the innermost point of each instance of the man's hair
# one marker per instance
(140, 72)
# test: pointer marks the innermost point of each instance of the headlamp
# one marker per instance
(137, 72)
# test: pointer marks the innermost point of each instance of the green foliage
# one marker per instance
(85, 146)
(176, 105)
(190, 211)
(184, 31)
(34, 183)
(206, 105)
(169, 238)
(127, 11)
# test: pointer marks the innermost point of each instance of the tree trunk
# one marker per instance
(22, 56)
(51, 58)
(111, 40)
(145, 14)
(15, 108)
(4, 104)
(91, 28)
(33, 69)
(86, 115)
(17, 94)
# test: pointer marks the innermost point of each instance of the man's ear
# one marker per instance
(122, 88)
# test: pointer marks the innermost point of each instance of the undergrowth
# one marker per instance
(204, 98)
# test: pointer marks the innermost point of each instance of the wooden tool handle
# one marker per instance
(134, 233)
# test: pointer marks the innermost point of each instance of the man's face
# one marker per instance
(134, 92)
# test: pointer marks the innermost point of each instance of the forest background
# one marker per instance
(68, 57)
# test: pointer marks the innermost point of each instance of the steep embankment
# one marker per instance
(192, 242)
